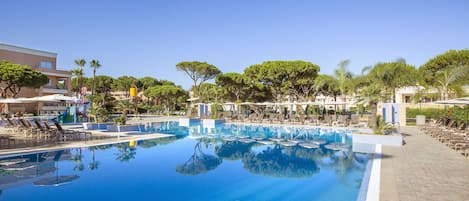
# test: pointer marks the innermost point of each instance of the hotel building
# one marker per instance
(44, 62)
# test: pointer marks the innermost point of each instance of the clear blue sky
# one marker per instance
(148, 38)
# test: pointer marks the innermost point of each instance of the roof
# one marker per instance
(24, 50)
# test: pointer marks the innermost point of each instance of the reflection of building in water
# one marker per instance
(21, 170)
(202, 130)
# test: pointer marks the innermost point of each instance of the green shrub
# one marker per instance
(452, 112)
(120, 120)
(383, 128)
(100, 114)
(215, 109)
(429, 113)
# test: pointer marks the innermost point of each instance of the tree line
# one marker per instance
(301, 81)
(267, 81)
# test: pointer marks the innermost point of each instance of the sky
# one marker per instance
(148, 38)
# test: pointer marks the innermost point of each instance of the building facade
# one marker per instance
(46, 63)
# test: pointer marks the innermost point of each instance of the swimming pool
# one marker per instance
(227, 162)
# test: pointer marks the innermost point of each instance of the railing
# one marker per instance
(54, 108)
(54, 90)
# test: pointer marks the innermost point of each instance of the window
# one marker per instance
(61, 84)
(46, 64)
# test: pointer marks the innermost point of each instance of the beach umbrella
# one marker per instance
(57, 98)
(18, 100)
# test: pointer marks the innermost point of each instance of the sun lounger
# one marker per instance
(46, 132)
(73, 134)
(28, 129)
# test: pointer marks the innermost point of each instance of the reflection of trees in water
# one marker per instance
(199, 162)
(93, 165)
(233, 150)
(342, 162)
(274, 162)
(77, 158)
(346, 161)
(158, 141)
(126, 153)
(316, 154)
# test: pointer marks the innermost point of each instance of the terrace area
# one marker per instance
(423, 169)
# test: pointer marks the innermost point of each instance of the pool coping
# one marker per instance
(76, 144)
(370, 186)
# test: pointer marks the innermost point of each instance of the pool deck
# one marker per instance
(423, 169)
(117, 137)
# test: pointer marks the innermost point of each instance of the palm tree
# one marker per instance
(77, 73)
(95, 65)
(93, 165)
(448, 78)
(80, 63)
(393, 75)
(77, 158)
(344, 77)
(124, 106)
(372, 94)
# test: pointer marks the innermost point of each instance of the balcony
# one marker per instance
(53, 108)
(54, 90)
(15, 108)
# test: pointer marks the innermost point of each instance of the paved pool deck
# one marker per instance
(423, 169)
(112, 137)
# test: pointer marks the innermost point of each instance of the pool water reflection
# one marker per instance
(228, 163)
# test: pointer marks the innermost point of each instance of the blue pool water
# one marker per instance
(228, 162)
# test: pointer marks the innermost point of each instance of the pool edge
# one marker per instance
(370, 187)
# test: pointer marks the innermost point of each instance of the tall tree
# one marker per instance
(77, 73)
(451, 79)
(371, 94)
(199, 72)
(449, 59)
(148, 81)
(15, 77)
(327, 86)
(233, 84)
(369, 88)
(272, 74)
(102, 89)
(123, 83)
(168, 94)
(301, 76)
(212, 91)
(95, 65)
(80, 63)
(393, 75)
(344, 77)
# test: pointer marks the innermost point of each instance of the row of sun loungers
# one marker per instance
(453, 135)
(34, 129)
(328, 120)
